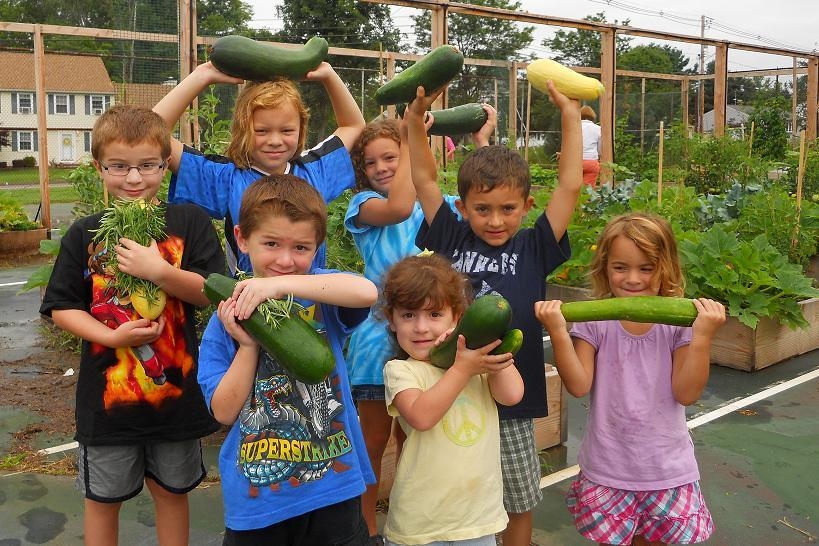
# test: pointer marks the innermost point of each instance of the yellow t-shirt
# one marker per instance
(448, 482)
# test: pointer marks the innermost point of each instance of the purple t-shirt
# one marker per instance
(636, 435)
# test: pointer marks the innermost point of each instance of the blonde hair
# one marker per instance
(385, 128)
(282, 195)
(587, 112)
(653, 236)
(267, 94)
(131, 125)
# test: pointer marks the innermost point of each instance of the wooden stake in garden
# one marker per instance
(799, 176)
(660, 167)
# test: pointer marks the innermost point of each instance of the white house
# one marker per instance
(78, 90)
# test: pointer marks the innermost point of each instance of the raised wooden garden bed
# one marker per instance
(21, 243)
(738, 346)
(549, 431)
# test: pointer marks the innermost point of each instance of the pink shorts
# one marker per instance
(615, 516)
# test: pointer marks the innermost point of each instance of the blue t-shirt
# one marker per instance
(517, 271)
(216, 184)
(294, 447)
(380, 247)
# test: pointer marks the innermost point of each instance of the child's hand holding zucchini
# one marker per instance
(275, 325)
(484, 322)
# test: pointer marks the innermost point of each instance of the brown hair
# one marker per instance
(652, 235)
(131, 125)
(491, 167)
(587, 112)
(267, 94)
(385, 128)
(282, 195)
(418, 282)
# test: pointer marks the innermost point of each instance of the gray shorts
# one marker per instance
(112, 474)
(520, 465)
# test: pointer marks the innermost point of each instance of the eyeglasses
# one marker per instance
(120, 169)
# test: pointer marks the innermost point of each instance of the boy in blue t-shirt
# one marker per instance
(293, 465)
(500, 258)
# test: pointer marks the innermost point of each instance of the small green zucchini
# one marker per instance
(458, 120)
(485, 320)
(431, 71)
(293, 342)
(511, 342)
(653, 309)
(246, 58)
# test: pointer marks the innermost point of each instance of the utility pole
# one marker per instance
(701, 88)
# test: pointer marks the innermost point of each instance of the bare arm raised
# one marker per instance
(348, 116)
(171, 107)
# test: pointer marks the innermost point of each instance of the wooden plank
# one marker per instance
(42, 126)
(743, 348)
(813, 96)
(720, 89)
(608, 64)
(90, 32)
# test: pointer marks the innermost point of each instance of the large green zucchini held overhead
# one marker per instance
(249, 59)
(651, 309)
(293, 342)
(433, 70)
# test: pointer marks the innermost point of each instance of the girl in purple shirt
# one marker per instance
(638, 481)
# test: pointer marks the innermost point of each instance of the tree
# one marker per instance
(5, 139)
(222, 17)
(343, 23)
(583, 47)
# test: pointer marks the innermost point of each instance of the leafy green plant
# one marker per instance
(86, 181)
(341, 251)
(215, 132)
(13, 217)
(770, 120)
(772, 212)
(751, 277)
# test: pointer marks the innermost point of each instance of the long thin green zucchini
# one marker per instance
(652, 309)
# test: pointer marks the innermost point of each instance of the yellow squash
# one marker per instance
(572, 84)
(145, 307)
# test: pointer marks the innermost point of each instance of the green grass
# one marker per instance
(31, 175)
(31, 196)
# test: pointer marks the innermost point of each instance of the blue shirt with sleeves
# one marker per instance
(294, 447)
(380, 248)
(216, 184)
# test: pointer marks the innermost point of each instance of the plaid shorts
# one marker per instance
(615, 516)
(520, 466)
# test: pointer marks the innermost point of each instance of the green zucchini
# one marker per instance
(432, 71)
(458, 120)
(653, 309)
(246, 58)
(485, 320)
(511, 342)
(294, 343)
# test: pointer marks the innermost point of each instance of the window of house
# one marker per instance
(97, 104)
(25, 103)
(25, 141)
(61, 104)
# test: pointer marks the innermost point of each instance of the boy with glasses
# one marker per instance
(139, 411)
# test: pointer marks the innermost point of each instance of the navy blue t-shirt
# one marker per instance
(517, 271)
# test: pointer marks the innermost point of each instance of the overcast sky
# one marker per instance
(790, 24)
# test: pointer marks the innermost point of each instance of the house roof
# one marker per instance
(142, 94)
(733, 118)
(63, 73)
